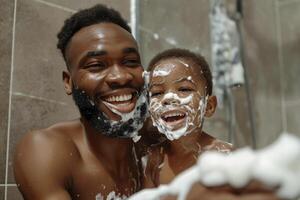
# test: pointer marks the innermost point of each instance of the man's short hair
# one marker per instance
(83, 18)
(198, 59)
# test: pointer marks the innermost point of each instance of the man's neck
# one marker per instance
(117, 154)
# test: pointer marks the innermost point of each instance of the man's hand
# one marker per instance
(253, 191)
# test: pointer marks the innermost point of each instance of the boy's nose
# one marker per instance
(170, 101)
(118, 76)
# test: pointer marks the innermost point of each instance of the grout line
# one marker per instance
(281, 72)
(10, 97)
(38, 98)
(287, 2)
(295, 102)
(8, 185)
(56, 6)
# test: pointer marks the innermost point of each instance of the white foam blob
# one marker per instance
(276, 165)
(163, 70)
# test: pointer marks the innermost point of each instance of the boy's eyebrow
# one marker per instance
(184, 79)
(154, 84)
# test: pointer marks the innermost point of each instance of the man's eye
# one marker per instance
(94, 66)
(131, 62)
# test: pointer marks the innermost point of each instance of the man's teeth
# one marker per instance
(174, 115)
(119, 98)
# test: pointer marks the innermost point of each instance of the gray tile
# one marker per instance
(217, 125)
(293, 116)
(122, 6)
(149, 47)
(6, 24)
(2, 188)
(184, 26)
(242, 135)
(13, 193)
(262, 62)
(38, 64)
(290, 48)
(29, 114)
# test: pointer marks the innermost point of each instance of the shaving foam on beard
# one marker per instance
(156, 109)
(126, 128)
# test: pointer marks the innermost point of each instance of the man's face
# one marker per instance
(106, 75)
(177, 97)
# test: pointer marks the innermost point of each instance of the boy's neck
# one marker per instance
(184, 152)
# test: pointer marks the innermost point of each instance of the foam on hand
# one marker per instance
(276, 166)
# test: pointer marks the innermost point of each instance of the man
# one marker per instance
(92, 157)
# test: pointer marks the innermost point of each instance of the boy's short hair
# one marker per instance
(198, 59)
(83, 18)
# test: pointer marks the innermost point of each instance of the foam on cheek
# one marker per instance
(157, 108)
(202, 109)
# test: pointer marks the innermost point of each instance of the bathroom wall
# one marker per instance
(31, 90)
(32, 94)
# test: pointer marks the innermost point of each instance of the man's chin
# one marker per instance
(112, 124)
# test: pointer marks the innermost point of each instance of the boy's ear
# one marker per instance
(211, 106)
(67, 82)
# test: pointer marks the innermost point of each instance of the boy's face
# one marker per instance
(177, 97)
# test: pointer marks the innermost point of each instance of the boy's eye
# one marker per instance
(155, 94)
(184, 89)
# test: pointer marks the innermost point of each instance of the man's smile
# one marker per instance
(121, 100)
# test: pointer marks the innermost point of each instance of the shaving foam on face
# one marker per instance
(163, 70)
(157, 108)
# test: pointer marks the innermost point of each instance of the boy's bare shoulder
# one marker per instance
(214, 144)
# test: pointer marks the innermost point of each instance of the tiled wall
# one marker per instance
(32, 94)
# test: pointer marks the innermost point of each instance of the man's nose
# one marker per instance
(118, 76)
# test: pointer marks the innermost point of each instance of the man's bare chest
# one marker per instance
(91, 180)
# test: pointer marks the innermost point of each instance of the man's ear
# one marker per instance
(67, 82)
(211, 106)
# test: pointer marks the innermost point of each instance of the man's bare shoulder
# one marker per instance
(46, 156)
(60, 135)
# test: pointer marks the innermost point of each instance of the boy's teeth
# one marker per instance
(174, 115)
(119, 98)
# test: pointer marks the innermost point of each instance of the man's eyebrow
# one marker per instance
(130, 50)
(96, 53)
